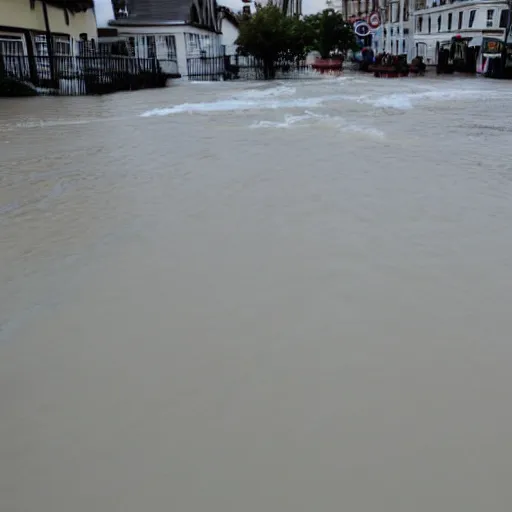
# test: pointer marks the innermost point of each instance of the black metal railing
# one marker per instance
(238, 67)
(91, 74)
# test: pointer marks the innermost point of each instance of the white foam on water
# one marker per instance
(454, 94)
(231, 105)
(289, 121)
(206, 82)
(405, 101)
(309, 118)
(365, 130)
(283, 97)
(264, 92)
(329, 79)
(397, 101)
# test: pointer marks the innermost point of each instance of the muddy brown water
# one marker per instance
(283, 297)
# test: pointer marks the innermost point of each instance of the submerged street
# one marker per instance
(281, 297)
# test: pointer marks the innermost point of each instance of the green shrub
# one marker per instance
(10, 87)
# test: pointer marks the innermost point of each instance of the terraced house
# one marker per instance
(45, 27)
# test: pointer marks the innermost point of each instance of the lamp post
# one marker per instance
(504, 53)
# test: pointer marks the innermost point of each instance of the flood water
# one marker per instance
(258, 297)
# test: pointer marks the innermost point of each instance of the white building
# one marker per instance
(397, 37)
(437, 21)
(173, 31)
(378, 15)
(228, 23)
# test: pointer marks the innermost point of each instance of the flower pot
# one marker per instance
(327, 65)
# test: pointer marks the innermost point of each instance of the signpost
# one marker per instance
(504, 53)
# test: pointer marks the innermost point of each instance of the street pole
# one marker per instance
(49, 43)
(504, 53)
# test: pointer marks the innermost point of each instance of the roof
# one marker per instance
(200, 13)
(72, 5)
(230, 16)
(160, 10)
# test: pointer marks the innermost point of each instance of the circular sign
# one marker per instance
(374, 20)
(361, 29)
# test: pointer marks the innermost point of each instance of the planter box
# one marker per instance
(327, 65)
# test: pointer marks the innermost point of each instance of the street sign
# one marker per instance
(374, 20)
(361, 29)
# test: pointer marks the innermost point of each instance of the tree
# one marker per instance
(331, 33)
(270, 35)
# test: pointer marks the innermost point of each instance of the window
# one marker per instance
(12, 45)
(396, 12)
(166, 47)
(193, 43)
(429, 24)
(450, 17)
(420, 23)
(490, 16)
(461, 16)
(439, 23)
(40, 46)
(61, 46)
(504, 18)
(471, 18)
(199, 45)
(151, 47)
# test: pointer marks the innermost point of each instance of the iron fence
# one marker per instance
(81, 75)
(238, 67)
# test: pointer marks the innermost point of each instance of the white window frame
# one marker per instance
(63, 41)
(41, 45)
(193, 44)
(7, 62)
(14, 37)
(166, 47)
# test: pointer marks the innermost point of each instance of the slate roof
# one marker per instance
(159, 10)
(72, 5)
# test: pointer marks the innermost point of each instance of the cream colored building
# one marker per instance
(25, 24)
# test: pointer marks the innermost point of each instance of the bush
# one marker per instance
(10, 87)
